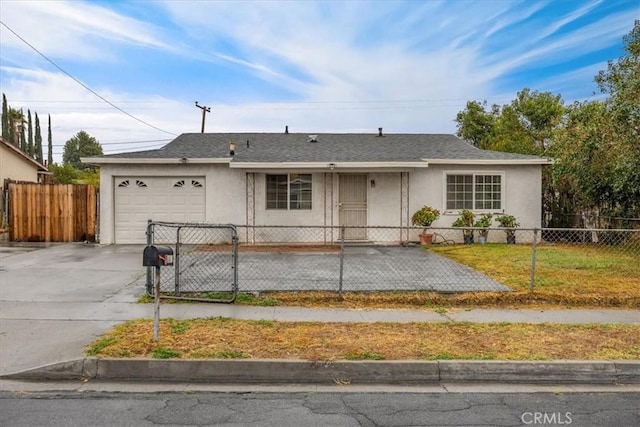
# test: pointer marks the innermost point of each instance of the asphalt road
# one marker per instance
(72, 408)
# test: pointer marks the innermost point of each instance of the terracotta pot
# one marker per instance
(426, 239)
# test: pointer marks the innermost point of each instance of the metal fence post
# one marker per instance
(341, 259)
(234, 262)
(156, 309)
(533, 260)
(176, 263)
(149, 283)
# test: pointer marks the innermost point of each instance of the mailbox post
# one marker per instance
(157, 256)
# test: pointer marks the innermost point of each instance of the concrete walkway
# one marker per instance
(55, 299)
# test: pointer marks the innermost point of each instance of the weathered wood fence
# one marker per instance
(52, 212)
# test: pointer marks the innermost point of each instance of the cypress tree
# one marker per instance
(30, 150)
(49, 144)
(22, 137)
(38, 141)
(5, 118)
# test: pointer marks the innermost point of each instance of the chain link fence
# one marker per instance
(205, 261)
(348, 259)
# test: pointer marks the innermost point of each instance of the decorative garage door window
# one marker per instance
(126, 183)
(182, 183)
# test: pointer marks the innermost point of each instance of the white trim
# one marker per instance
(179, 160)
(324, 166)
(473, 173)
(312, 165)
(540, 161)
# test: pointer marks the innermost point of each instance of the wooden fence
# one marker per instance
(52, 212)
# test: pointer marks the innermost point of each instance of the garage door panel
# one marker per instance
(138, 199)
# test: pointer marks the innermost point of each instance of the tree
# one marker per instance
(597, 150)
(583, 159)
(38, 142)
(21, 126)
(5, 118)
(49, 144)
(539, 113)
(80, 145)
(30, 148)
(65, 174)
(16, 128)
(621, 81)
(475, 124)
(525, 126)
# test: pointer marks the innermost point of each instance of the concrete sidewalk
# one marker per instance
(55, 299)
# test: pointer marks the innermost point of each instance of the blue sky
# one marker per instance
(317, 67)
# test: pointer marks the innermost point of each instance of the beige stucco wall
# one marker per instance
(15, 167)
(522, 189)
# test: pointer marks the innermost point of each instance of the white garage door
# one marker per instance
(137, 199)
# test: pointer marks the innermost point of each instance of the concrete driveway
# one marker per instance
(51, 296)
(364, 268)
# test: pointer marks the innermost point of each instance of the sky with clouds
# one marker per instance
(129, 72)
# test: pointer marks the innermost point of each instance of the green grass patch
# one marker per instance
(99, 345)
(177, 326)
(363, 354)
(162, 352)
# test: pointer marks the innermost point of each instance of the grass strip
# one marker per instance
(224, 338)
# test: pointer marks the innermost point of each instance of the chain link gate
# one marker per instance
(205, 261)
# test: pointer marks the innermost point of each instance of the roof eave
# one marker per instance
(540, 161)
(327, 165)
(156, 161)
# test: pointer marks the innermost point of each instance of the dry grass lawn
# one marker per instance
(220, 338)
(566, 276)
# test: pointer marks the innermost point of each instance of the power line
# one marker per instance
(82, 84)
(126, 142)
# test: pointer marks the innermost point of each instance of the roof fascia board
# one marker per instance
(327, 165)
(541, 161)
(178, 160)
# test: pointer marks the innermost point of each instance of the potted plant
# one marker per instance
(509, 223)
(424, 217)
(466, 220)
(483, 225)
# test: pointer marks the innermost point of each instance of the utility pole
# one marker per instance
(205, 110)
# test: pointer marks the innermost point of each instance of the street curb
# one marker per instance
(341, 372)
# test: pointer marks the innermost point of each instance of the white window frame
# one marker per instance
(473, 174)
(289, 202)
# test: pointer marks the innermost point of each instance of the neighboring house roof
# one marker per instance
(286, 149)
(39, 167)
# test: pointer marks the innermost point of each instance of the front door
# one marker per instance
(352, 203)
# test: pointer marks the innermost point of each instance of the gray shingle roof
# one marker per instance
(295, 147)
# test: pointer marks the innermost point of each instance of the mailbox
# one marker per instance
(157, 256)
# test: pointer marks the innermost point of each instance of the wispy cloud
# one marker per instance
(571, 17)
(76, 30)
